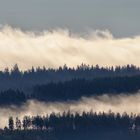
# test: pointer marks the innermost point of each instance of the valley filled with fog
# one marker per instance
(117, 104)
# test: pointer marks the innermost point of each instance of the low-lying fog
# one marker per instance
(118, 103)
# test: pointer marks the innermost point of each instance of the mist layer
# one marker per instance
(117, 104)
(58, 47)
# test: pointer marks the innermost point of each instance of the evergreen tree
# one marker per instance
(11, 123)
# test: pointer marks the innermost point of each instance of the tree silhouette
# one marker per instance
(11, 123)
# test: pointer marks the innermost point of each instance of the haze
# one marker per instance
(104, 103)
(58, 47)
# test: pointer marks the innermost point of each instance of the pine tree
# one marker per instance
(11, 123)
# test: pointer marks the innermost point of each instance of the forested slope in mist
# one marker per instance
(67, 84)
(63, 87)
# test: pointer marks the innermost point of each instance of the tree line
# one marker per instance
(25, 80)
(73, 90)
(87, 121)
(88, 125)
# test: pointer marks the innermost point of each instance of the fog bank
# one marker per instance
(119, 103)
(58, 47)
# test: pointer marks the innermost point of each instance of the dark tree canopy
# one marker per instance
(73, 90)
(63, 84)
(25, 80)
(87, 125)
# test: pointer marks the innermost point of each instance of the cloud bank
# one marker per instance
(58, 47)
(119, 103)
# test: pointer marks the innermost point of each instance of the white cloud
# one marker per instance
(58, 47)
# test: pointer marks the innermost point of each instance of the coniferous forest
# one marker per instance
(69, 84)
(64, 83)
(69, 70)
(72, 126)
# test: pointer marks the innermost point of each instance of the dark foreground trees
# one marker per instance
(89, 126)
(87, 121)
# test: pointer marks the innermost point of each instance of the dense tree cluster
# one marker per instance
(73, 90)
(77, 88)
(88, 125)
(62, 84)
(12, 97)
(67, 122)
(25, 80)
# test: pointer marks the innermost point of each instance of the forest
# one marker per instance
(87, 125)
(62, 84)
(73, 90)
(26, 80)
(69, 84)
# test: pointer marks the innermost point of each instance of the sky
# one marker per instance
(121, 17)
(52, 33)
